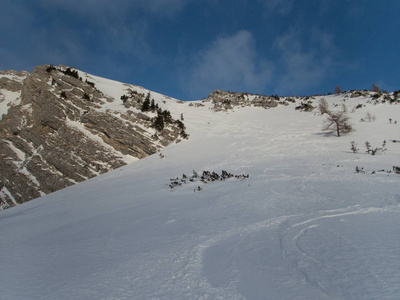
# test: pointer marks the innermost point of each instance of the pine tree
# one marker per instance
(146, 103)
(167, 116)
(159, 123)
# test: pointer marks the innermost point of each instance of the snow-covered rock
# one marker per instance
(61, 126)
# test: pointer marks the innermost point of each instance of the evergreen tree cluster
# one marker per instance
(133, 95)
(50, 68)
(124, 98)
(182, 128)
(163, 116)
(90, 83)
(72, 73)
(146, 103)
(149, 104)
(158, 123)
(68, 71)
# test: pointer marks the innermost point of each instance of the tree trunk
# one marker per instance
(337, 129)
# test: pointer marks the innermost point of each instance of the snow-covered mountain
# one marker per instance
(60, 126)
(313, 219)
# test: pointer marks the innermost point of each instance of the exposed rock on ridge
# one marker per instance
(228, 100)
(60, 131)
(225, 100)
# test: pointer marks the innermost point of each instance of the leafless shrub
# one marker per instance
(369, 117)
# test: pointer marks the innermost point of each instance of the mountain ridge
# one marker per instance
(51, 111)
(59, 129)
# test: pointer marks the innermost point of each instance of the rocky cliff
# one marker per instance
(60, 126)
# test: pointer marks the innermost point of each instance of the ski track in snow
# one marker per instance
(228, 256)
(311, 266)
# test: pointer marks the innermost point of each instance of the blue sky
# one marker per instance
(188, 48)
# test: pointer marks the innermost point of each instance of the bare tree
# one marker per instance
(375, 88)
(335, 121)
(369, 117)
(338, 90)
(323, 106)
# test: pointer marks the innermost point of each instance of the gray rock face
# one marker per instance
(60, 134)
(228, 100)
(12, 80)
(356, 94)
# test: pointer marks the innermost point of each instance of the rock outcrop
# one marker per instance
(228, 100)
(58, 130)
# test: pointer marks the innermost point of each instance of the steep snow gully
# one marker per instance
(304, 225)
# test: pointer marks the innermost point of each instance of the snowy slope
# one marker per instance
(114, 90)
(304, 225)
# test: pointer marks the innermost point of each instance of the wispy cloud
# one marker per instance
(281, 7)
(229, 63)
(70, 32)
(122, 24)
(304, 62)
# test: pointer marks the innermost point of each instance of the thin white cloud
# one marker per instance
(229, 63)
(304, 64)
(119, 26)
(114, 28)
(78, 32)
(281, 7)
